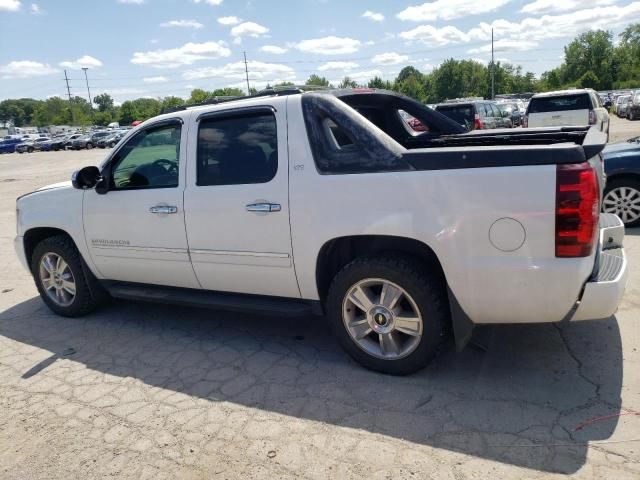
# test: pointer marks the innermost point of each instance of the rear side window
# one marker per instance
(560, 103)
(237, 150)
(462, 114)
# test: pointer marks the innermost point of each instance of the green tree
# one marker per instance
(348, 83)
(104, 102)
(199, 95)
(102, 118)
(317, 81)
(377, 82)
(407, 72)
(171, 102)
(128, 113)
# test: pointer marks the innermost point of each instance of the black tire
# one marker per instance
(89, 145)
(622, 182)
(425, 288)
(88, 294)
(30, 150)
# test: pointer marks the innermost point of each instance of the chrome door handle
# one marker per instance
(163, 209)
(264, 207)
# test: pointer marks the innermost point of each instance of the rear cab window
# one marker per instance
(559, 103)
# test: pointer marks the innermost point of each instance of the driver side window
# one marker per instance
(149, 160)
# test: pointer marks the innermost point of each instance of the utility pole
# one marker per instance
(493, 70)
(88, 91)
(66, 79)
(246, 71)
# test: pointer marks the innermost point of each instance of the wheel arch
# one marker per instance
(338, 252)
(35, 235)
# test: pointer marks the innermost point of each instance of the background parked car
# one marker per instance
(475, 115)
(82, 142)
(622, 192)
(8, 145)
(513, 112)
(110, 141)
(25, 146)
(577, 107)
(633, 106)
(42, 144)
(620, 105)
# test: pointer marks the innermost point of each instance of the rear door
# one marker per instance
(237, 202)
(560, 110)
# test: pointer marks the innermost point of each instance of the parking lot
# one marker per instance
(148, 391)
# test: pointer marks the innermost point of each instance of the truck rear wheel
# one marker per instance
(60, 277)
(388, 313)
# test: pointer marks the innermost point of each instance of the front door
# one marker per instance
(237, 210)
(135, 232)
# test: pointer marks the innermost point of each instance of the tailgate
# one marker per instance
(558, 119)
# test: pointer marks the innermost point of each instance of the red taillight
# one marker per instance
(577, 207)
(525, 121)
(592, 117)
(477, 123)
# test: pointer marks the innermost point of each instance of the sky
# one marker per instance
(156, 48)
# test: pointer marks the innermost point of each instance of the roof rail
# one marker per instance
(271, 91)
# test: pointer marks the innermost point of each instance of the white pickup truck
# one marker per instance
(293, 203)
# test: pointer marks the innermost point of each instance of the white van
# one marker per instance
(577, 107)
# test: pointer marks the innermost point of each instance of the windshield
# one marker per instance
(560, 103)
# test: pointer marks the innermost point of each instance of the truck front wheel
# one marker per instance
(388, 313)
(60, 277)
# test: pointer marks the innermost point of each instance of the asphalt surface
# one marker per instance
(147, 391)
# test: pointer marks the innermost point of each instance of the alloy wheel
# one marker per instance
(624, 202)
(57, 279)
(382, 318)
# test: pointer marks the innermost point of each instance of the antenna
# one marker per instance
(246, 71)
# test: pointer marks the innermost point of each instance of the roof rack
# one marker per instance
(271, 91)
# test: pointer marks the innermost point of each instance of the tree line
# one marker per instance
(591, 60)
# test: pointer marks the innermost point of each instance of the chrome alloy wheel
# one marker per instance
(624, 202)
(57, 279)
(382, 318)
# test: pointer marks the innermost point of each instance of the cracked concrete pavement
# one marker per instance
(149, 391)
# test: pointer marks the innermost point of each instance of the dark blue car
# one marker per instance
(9, 145)
(622, 192)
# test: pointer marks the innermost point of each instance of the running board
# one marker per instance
(234, 302)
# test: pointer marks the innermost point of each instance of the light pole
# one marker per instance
(88, 91)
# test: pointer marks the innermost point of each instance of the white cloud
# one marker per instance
(430, 35)
(184, 55)
(9, 5)
(373, 16)
(560, 26)
(26, 69)
(364, 75)
(159, 79)
(390, 58)
(449, 9)
(229, 20)
(132, 2)
(338, 66)
(84, 61)
(35, 9)
(505, 45)
(249, 29)
(182, 23)
(329, 45)
(551, 6)
(215, 3)
(273, 49)
(269, 72)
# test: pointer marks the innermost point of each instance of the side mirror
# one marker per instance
(86, 178)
